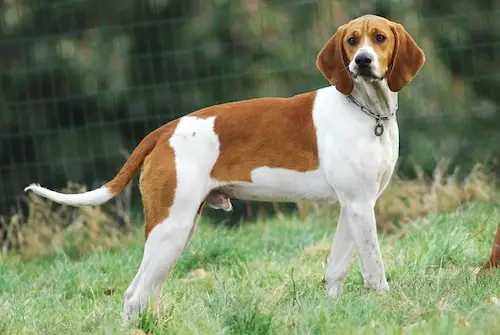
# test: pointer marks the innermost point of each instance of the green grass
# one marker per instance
(265, 278)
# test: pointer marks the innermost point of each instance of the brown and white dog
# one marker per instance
(339, 143)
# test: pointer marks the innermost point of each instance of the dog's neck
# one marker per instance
(376, 96)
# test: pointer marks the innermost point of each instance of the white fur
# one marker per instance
(196, 148)
(276, 184)
(358, 166)
(91, 198)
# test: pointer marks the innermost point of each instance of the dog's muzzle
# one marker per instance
(364, 66)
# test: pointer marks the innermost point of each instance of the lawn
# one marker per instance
(265, 278)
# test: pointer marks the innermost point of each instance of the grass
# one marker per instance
(265, 278)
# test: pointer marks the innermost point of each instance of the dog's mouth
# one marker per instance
(366, 74)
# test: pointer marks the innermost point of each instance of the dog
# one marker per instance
(339, 144)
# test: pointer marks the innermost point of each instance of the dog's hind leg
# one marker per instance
(165, 241)
(173, 195)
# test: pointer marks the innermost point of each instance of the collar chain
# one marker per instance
(379, 127)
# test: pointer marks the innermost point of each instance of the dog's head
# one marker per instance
(370, 48)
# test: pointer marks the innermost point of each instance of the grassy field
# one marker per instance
(265, 278)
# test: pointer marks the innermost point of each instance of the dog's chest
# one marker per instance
(350, 151)
(389, 153)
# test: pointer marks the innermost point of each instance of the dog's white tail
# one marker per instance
(112, 188)
(91, 198)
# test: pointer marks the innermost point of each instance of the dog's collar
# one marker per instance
(379, 127)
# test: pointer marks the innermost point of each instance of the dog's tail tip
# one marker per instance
(31, 187)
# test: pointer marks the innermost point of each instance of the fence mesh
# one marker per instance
(82, 81)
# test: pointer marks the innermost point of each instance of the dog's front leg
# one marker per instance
(362, 224)
(340, 257)
(354, 175)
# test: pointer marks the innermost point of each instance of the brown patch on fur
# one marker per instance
(407, 61)
(494, 260)
(332, 62)
(134, 162)
(247, 128)
(158, 180)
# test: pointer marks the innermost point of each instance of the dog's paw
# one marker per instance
(382, 287)
(334, 290)
(133, 306)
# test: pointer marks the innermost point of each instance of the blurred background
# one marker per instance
(82, 81)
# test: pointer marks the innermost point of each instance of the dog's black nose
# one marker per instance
(363, 60)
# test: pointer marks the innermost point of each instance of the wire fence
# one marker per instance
(83, 80)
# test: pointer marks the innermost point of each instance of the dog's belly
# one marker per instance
(276, 184)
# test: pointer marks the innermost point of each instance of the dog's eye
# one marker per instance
(379, 38)
(351, 40)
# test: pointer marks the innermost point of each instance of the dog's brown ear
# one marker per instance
(332, 62)
(407, 59)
